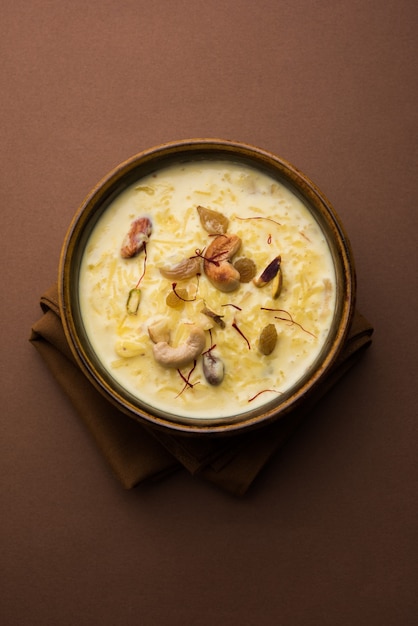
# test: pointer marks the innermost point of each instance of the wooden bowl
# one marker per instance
(274, 405)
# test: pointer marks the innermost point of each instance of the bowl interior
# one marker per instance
(152, 161)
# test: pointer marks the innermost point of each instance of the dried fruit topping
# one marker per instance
(213, 368)
(213, 222)
(268, 339)
(216, 318)
(269, 273)
(246, 268)
(132, 303)
(218, 269)
(183, 269)
(277, 284)
(183, 354)
(177, 298)
(138, 235)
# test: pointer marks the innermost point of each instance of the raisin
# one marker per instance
(246, 268)
(213, 221)
(268, 339)
(175, 299)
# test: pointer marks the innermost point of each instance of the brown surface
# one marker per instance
(328, 533)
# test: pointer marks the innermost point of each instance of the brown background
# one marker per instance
(327, 536)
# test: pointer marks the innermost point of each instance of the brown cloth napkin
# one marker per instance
(138, 453)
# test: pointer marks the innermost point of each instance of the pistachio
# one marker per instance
(277, 284)
(132, 303)
(269, 273)
(215, 316)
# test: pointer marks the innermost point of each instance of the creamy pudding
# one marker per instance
(225, 302)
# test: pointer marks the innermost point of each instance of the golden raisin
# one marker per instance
(213, 221)
(246, 268)
(175, 299)
(268, 339)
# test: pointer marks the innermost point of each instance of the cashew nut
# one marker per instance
(217, 267)
(186, 268)
(185, 353)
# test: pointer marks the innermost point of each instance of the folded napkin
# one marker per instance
(139, 453)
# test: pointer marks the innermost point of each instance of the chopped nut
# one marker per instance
(277, 284)
(187, 268)
(132, 303)
(269, 273)
(138, 235)
(215, 316)
(221, 273)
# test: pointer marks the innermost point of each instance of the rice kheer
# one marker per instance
(254, 338)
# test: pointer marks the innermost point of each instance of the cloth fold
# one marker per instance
(138, 453)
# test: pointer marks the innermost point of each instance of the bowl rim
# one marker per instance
(113, 183)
